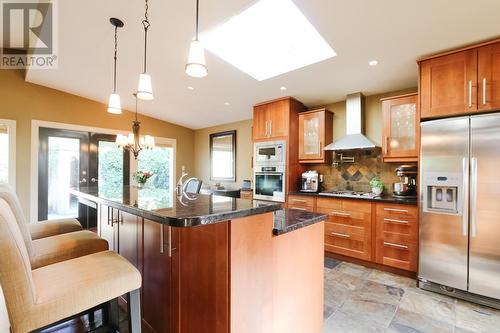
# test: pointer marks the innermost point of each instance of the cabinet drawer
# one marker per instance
(396, 252)
(300, 201)
(347, 240)
(407, 227)
(358, 219)
(345, 231)
(329, 203)
(309, 209)
(397, 211)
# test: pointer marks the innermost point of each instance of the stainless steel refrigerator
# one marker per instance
(460, 208)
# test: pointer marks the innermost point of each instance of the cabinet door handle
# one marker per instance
(484, 91)
(270, 127)
(470, 93)
(299, 200)
(170, 241)
(267, 129)
(386, 146)
(396, 221)
(162, 242)
(341, 235)
(399, 246)
(396, 210)
(342, 214)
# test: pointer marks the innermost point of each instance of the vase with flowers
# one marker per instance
(142, 177)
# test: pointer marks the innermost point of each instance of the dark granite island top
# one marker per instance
(286, 220)
(165, 207)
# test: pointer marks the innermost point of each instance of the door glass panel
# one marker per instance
(159, 188)
(267, 184)
(110, 170)
(4, 155)
(403, 127)
(311, 136)
(63, 171)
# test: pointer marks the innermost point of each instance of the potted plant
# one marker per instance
(377, 185)
(142, 177)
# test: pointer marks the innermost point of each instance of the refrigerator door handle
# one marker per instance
(465, 210)
(473, 197)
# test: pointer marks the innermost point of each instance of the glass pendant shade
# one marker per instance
(196, 66)
(114, 105)
(145, 89)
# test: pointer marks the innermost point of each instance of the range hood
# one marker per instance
(354, 138)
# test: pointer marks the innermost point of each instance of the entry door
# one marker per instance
(62, 164)
(484, 256)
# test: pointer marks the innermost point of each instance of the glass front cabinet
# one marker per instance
(401, 128)
(315, 132)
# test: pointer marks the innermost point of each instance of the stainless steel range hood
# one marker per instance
(354, 138)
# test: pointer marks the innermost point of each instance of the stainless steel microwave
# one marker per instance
(270, 152)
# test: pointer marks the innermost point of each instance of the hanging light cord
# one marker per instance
(197, 9)
(135, 95)
(116, 51)
(146, 25)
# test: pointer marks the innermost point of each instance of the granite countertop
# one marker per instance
(165, 207)
(286, 220)
(383, 198)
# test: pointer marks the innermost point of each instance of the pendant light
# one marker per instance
(196, 66)
(145, 88)
(114, 105)
(134, 142)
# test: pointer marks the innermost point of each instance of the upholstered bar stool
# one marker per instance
(40, 229)
(40, 297)
(49, 250)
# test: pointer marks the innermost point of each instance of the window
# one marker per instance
(159, 161)
(8, 152)
(223, 156)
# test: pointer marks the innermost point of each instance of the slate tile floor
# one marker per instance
(364, 300)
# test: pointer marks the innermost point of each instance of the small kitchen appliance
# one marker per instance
(407, 186)
(310, 181)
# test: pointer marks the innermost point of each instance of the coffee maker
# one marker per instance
(407, 186)
(310, 181)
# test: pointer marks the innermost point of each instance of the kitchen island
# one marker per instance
(217, 264)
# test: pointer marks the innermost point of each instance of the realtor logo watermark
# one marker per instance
(29, 38)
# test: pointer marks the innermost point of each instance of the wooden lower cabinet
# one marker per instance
(301, 202)
(348, 227)
(397, 236)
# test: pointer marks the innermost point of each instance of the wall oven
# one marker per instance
(269, 183)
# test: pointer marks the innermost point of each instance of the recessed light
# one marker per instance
(373, 63)
(269, 38)
(227, 103)
(190, 88)
(283, 88)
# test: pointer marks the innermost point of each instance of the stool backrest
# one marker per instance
(7, 194)
(15, 268)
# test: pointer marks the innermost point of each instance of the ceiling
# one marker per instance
(394, 32)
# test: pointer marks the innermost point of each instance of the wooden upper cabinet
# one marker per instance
(448, 84)
(489, 77)
(400, 128)
(271, 120)
(315, 132)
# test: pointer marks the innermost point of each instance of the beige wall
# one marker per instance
(22, 101)
(244, 152)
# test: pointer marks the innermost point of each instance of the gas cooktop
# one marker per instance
(346, 193)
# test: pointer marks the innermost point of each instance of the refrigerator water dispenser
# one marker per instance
(441, 193)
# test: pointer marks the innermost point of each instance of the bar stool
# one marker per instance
(40, 229)
(43, 296)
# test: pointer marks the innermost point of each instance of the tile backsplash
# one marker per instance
(356, 176)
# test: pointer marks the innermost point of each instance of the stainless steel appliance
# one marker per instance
(269, 171)
(407, 185)
(270, 152)
(348, 194)
(269, 183)
(310, 181)
(460, 208)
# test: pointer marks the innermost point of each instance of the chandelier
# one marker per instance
(133, 141)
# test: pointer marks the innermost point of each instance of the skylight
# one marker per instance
(270, 38)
